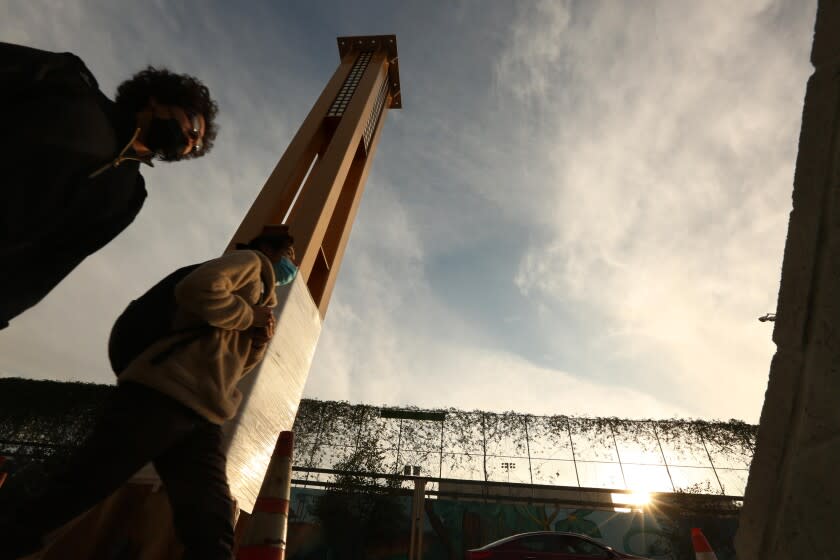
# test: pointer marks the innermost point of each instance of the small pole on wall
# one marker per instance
(415, 547)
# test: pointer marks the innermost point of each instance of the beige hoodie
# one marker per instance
(203, 373)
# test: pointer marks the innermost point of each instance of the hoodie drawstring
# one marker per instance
(121, 158)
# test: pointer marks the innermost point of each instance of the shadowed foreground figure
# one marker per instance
(70, 161)
(170, 404)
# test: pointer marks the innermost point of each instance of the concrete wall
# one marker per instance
(793, 493)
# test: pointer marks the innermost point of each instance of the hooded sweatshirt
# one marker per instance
(58, 130)
(203, 373)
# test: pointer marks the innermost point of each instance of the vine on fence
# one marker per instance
(467, 439)
(330, 434)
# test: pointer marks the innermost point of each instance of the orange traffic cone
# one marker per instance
(265, 538)
(702, 550)
(3, 475)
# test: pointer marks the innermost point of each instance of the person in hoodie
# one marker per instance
(171, 411)
(70, 161)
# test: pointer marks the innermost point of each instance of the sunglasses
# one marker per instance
(195, 132)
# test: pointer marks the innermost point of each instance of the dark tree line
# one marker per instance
(41, 423)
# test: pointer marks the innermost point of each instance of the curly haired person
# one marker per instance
(70, 161)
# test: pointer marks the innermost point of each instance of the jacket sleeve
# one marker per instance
(20, 68)
(209, 290)
(50, 134)
(25, 71)
(256, 355)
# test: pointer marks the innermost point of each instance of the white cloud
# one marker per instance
(670, 174)
(388, 340)
(382, 362)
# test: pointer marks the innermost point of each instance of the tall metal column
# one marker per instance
(317, 185)
(320, 179)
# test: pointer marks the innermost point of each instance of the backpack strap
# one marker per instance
(267, 289)
(266, 293)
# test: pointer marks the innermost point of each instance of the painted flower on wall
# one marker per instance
(576, 522)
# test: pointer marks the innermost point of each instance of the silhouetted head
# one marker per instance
(175, 113)
(274, 241)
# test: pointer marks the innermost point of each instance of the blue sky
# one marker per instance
(580, 209)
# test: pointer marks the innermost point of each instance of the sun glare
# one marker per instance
(636, 500)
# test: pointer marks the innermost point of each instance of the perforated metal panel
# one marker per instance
(345, 94)
(376, 113)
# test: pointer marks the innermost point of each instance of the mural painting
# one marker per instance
(328, 526)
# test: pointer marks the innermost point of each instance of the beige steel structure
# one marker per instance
(319, 181)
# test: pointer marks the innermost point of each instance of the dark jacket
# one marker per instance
(67, 183)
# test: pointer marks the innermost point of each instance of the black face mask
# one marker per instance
(166, 138)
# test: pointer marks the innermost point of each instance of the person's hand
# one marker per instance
(263, 317)
(260, 336)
